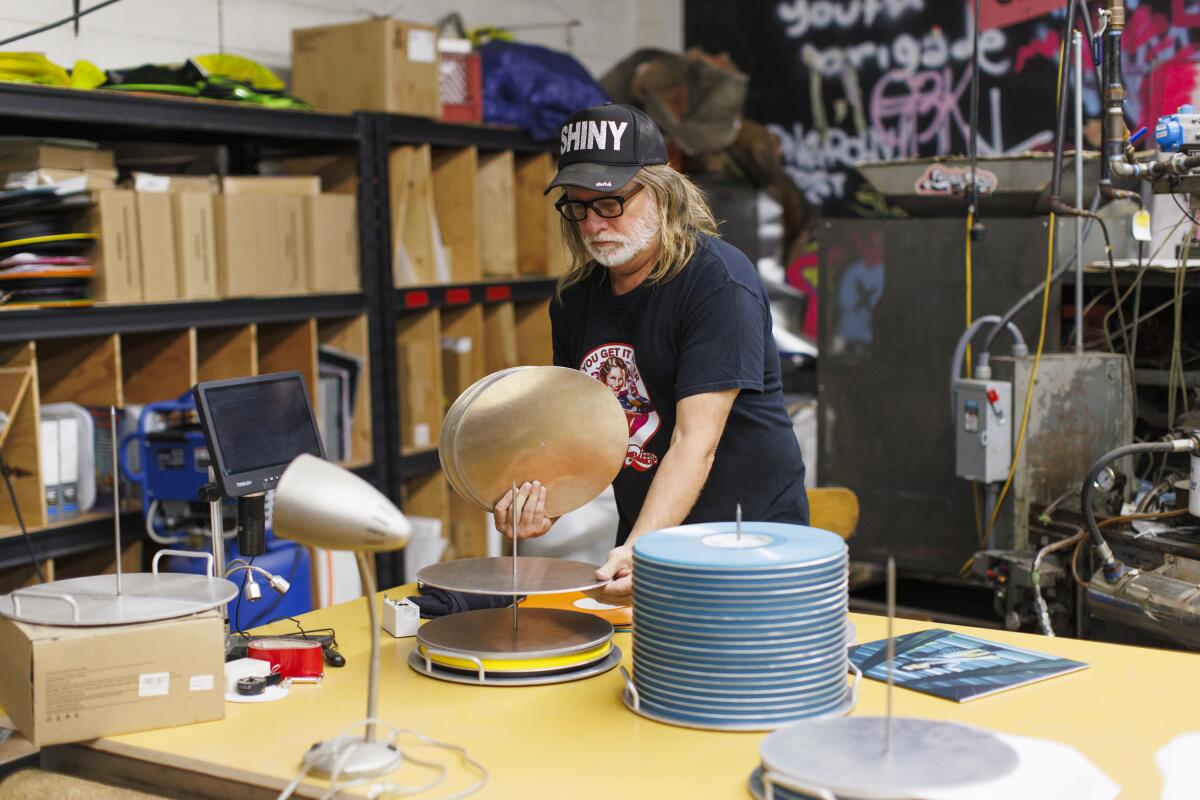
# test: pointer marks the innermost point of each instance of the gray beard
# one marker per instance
(638, 239)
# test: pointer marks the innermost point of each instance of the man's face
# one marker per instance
(615, 379)
(617, 241)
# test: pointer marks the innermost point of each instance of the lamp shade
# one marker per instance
(322, 505)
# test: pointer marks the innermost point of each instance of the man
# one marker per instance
(675, 322)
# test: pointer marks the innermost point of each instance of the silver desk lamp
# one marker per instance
(322, 505)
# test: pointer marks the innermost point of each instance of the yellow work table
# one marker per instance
(577, 740)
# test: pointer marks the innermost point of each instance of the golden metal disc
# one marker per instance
(550, 424)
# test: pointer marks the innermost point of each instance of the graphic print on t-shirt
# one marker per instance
(615, 365)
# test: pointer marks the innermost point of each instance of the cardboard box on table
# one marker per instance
(68, 684)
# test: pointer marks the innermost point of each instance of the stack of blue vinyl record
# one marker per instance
(739, 632)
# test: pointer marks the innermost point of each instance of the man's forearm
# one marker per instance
(673, 492)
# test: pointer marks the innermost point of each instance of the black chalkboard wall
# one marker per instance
(842, 81)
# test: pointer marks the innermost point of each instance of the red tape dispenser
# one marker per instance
(294, 659)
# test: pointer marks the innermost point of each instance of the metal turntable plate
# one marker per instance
(535, 575)
(146, 597)
(846, 756)
(541, 633)
(434, 670)
(551, 424)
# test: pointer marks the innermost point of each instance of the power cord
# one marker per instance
(33, 559)
(384, 790)
(65, 20)
(237, 608)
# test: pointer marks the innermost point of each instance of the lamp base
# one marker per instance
(358, 758)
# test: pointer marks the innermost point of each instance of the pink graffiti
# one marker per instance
(910, 109)
(1182, 17)
(1160, 61)
(1045, 46)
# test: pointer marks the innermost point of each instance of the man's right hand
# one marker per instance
(529, 511)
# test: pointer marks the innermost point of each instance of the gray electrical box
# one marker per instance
(983, 429)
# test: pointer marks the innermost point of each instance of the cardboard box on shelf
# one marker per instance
(286, 247)
(68, 684)
(376, 65)
(272, 184)
(332, 224)
(239, 218)
(195, 243)
(117, 254)
(29, 154)
(156, 239)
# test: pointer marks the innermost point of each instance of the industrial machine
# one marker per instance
(1059, 446)
(1148, 585)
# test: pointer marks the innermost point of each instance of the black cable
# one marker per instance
(1112, 569)
(1183, 208)
(1116, 290)
(237, 608)
(33, 559)
(76, 16)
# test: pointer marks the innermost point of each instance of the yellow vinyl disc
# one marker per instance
(524, 664)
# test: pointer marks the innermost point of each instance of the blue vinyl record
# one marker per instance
(739, 632)
(761, 545)
(719, 578)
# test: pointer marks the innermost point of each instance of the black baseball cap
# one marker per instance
(603, 147)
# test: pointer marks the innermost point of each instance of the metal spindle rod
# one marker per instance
(739, 521)
(116, 478)
(891, 648)
(1077, 47)
(512, 512)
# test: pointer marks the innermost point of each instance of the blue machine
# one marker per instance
(172, 466)
(1178, 132)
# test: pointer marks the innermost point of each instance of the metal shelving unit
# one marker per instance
(46, 111)
(460, 294)
(400, 129)
(56, 323)
(252, 132)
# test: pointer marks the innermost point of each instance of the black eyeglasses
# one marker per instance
(609, 206)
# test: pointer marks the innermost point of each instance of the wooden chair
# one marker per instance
(833, 508)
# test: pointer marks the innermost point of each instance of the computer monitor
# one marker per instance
(255, 427)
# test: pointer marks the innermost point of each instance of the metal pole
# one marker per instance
(368, 587)
(216, 521)
(1077, 47)
(512, 512)
(116, 477)
(891, 647)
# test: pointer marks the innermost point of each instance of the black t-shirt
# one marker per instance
(707, 329)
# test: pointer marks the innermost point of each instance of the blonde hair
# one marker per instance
(683, 214)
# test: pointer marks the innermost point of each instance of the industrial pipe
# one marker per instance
(1039, 603)
(1113, 569)
(1060, 128)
